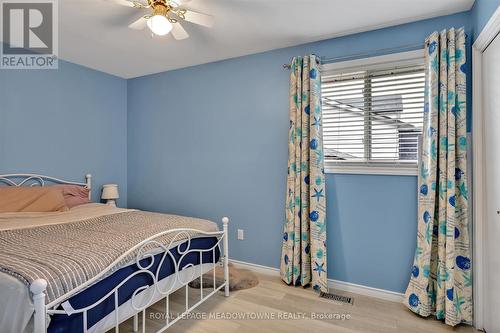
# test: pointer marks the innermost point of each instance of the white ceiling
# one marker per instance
(94, 33)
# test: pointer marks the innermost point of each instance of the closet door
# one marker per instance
(491, 109)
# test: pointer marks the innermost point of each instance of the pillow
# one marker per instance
(31, 199)
(74, 195)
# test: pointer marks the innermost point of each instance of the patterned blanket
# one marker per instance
(67, 255)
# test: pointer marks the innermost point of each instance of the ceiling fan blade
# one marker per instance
(178, 31)
(136, 4)
(177, 3)
(139, 24)
(199, 18)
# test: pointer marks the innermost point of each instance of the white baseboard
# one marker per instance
(332, 284)
(359, 289)
(255, 267)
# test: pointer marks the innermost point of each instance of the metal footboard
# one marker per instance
(146, 295)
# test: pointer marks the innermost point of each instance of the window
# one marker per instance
(373, 114)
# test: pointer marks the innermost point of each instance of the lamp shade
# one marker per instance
(110, 191)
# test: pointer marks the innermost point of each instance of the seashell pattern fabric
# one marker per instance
(441, 276)
(303, 258)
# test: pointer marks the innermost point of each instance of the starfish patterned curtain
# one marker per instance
(303, 259)
(441, 277)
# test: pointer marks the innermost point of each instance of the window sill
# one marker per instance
(371, 170)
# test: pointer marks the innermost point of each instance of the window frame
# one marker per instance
(408, 58)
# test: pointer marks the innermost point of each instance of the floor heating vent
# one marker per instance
(338, 298)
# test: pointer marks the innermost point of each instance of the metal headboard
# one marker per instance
(30, 179)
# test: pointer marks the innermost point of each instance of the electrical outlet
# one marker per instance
(241, 234)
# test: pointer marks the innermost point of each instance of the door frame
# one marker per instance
(487, 35)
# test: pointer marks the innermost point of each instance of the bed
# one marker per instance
(94, 266)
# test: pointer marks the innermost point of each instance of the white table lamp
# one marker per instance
(110, 194)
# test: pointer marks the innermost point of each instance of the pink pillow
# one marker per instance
(75, 195)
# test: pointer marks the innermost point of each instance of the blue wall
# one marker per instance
(65, 123)
(211, 140)
(481, 13)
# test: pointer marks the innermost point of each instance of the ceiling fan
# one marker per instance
(166, 16)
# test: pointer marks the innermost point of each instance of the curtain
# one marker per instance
(441, 277)
(303, 259)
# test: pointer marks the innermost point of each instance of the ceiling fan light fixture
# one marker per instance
(166, 16)
(159, 25)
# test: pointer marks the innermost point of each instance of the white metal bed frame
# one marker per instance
(148, 295)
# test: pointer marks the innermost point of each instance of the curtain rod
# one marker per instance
(361, 54)
(370, 53)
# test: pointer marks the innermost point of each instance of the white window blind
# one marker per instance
(373, 117)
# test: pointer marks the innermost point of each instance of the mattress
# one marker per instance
(74, 322)
(16, 308)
